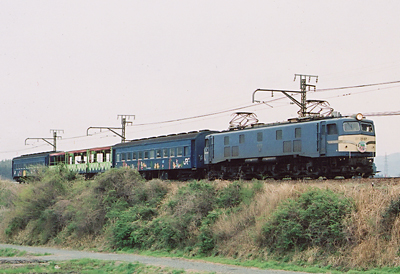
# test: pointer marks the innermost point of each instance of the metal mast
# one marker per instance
(55, 137)
(124, 122)
(303, 88)
(303, 104)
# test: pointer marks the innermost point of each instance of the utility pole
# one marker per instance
(124, 123)
(55, 137)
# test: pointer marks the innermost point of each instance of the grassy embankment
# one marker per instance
(329, 225)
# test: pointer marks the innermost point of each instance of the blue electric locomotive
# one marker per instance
(328, 147)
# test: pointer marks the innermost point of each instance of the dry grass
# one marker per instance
(366, 247)
(237, 233)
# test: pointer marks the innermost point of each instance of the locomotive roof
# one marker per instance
(296, 121)
(165, 138)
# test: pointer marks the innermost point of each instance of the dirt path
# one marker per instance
(177, 263)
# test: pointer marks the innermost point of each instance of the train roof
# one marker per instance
(34, 155)
(296, 121)
(165, 138)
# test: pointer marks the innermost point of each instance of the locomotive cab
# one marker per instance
(349, 137)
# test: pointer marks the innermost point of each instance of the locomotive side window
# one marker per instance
(367, 127)
(235, 151)
(297, 132)
(259, 136)
(332, 129)
(279, 134)
(227, 152)
(287, 146)
(241, 139)
(226, 140)
(297, 146)
(351, 126)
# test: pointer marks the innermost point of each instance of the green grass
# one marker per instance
(11, 252)
(89, 266)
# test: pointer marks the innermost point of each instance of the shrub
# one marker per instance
(389, 216)
(230, 196)
(314, 219)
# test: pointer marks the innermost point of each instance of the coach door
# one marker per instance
(322, 138)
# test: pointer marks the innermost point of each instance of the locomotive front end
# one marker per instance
(355, 146)
(358, 137)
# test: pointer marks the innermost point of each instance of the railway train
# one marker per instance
(302, 147)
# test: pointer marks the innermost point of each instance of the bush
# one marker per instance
(389, 216)
(314, 219)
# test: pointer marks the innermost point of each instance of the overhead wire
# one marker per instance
(243, 107)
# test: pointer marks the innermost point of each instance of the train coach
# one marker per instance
(26, 165)
(312, 147)
(175, 156)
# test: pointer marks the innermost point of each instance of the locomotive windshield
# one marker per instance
(356, 126)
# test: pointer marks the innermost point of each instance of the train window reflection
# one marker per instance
(351, 126)
(367, 127)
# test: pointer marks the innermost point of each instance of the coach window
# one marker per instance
(140, 155)
(118, 157)
(279, 134)
(172, 152)
(123, 156)
(129, 158)
(158, 153)
(259, 136)
(165, 152)
(179, 152)
(332, 129)
(226, 140)
(134, 156)
(297, 132)
(152, 153)
(241, 139)
(186, 151)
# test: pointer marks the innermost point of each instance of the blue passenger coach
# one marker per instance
(329, 147)
(175, 156)
(25, 165)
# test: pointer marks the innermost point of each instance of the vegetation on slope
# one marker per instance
(338, 224)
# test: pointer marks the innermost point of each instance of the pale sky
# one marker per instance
(72, 65)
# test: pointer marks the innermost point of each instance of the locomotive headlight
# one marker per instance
(359, 116)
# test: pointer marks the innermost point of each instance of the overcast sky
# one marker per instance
(72, 65)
